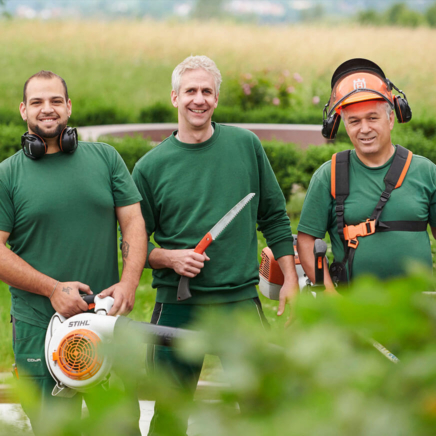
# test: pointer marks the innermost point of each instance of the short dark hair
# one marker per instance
(43, 74)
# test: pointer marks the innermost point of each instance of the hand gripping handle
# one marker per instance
(183, 292)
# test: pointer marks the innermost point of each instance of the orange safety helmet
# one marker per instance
(358, 80)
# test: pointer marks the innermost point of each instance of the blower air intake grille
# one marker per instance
(264, 265)
(77, 356)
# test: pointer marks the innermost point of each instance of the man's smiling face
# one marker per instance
(46, 109)
(369, 127)
(196, 99)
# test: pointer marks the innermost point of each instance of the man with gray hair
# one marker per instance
(374, 201)
(188, 183)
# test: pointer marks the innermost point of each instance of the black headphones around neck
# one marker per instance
(34, 147)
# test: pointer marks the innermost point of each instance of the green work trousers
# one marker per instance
(184, 375)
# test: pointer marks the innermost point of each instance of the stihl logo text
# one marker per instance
(78, 323)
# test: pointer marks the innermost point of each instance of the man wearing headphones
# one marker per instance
(376, 200)
(60, 201)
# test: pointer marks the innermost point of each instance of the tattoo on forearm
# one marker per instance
(67, 290)
(125, 252)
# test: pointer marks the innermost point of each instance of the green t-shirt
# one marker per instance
(60, 212)
(188, 188)
(384, 254)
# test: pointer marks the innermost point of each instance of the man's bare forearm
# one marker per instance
(160, 258)
(287, 265)
(15, 272)
(133, 249)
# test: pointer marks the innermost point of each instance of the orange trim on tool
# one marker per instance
(319, 262)
(333, 176)
(270, 268)
(91, 306)
(405, 169)
(204, 243)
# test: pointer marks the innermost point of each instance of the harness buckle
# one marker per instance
(353, 243)
(363, 229)
(385, 196)
(340, 209)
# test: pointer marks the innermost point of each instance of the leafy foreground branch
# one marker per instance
(321, 376)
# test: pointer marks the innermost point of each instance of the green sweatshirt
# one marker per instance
(188, 188)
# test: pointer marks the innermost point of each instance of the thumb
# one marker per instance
(206, 257)
(84, 288)
(107, 292)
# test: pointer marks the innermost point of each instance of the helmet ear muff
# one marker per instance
(330, 126)
(68, 140)
(34, 147)
(402, 109)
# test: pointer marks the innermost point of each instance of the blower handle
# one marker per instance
(319, 250)
(89, 299)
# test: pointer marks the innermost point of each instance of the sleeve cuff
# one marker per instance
(283, 248)
(150, 248)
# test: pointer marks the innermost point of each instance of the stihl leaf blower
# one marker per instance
(73, 346)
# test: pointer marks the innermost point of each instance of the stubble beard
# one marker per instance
(43, 134)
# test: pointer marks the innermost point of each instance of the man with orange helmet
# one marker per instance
(374, 200)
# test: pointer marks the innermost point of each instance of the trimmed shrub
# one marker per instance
(158, 113)
(131, 148)
(96, 114)
(8, 116)
(285, 159)
(267, 115)
(10, 140)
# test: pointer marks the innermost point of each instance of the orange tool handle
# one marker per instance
(204, 243)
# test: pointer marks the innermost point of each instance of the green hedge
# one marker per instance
(10, 139)
(290, 164)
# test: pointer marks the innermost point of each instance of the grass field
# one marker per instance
(130, 63)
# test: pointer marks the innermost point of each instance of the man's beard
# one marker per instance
(40, 132)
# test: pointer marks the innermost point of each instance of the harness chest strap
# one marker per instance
(340, 191)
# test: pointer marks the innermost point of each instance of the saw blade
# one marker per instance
(229, 216)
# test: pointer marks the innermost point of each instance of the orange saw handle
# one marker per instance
(204, 243)
(183, 292)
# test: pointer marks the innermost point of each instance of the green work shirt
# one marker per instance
(188, 188)
(384, 254)
(60, 213)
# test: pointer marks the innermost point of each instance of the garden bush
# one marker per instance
(158, 113)
(97, 113)
(10, 139)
